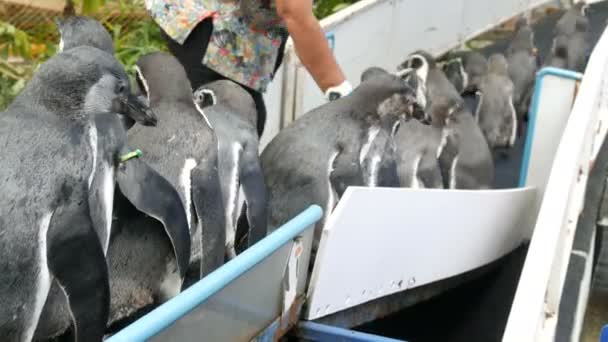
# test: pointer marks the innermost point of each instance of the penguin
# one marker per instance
(314, 160)
(495, 111)
(64, 149)
(559, 53)
(425, 151)
(454, 71)
(468, 66)
(472, 167)
(184, 149)
(579, 46)
(80, 30)
(232, 113)
(576, 15)
(523, 64)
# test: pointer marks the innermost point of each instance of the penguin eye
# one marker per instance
(120, 87)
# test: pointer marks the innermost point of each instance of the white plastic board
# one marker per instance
(555, 104)
(380, 241)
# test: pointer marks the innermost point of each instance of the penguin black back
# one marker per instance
(78, 31)
(318, 156)
(184, 149)
(61, 140)
(232, 114)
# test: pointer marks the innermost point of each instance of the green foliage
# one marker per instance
(142, 38)
(325, 8)
(14, 41)
(21, 52)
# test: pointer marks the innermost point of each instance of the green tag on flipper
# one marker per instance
(134, 154)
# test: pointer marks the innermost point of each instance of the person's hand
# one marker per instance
(310, 43)
(334, 93)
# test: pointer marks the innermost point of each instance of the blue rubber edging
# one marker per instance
(169, 312)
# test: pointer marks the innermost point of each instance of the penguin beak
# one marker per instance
(137, 110)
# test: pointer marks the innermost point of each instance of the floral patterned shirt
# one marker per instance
(246, 38)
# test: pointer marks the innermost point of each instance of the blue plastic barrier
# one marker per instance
(548, 71)
(169, 312)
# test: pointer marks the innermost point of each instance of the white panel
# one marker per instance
(379, 241)
(432, 25)
(553, 111)
(361, 41)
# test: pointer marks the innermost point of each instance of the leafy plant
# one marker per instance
(142, 38)
(325, 8)
(14, 41)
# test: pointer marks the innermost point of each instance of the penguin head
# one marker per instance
(402, 102)
(372, 73)
(78, 31)
(475, 65)
(420, 61)
(497, 64)
(454, 71)
(523, 39)
(582, 8)
(163, 79)
(84, 81)
(230, 94)
(581, 24)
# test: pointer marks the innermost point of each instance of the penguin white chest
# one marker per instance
(105, 172)
(107, 186)
(43, 284)
(185, 182)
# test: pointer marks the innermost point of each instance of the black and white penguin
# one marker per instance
(472, 167)
(576, 15)
(495, 110)
(184, 149)
(465, 70)
(233, 115)
(454, 71)
(63, 150)
(425, 152)
(77, 31)
(559, 53)
(318, 156)
(523, 63)
(578, 46)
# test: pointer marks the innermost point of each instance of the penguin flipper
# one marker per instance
(256, 195)
(346, 171)
(206, 197)
(153, 195)
(75, 258)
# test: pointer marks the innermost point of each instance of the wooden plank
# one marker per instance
(49, 5)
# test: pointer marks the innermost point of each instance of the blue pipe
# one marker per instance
(310, 331)
(548, 71)
(174, 309)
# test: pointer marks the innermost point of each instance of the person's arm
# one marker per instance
(310, 43)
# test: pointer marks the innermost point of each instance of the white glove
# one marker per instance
(339, 91)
